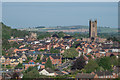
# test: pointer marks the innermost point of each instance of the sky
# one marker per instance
(60, 0)
(33, 14)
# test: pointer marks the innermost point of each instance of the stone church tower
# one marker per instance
(93, 29)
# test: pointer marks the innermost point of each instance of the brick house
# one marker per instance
(24, 57)
(7, 61)
(56, 60)
(30, 63)
(2, 60)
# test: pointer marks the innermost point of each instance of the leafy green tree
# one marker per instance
(61, 34)
(114, 60)
(112, 38)
(105, 62)
(49, 64)
(52, 50)
(42, 50)
(8, 66)
(29, 69)
(91, 66)
(42, 35)
(5, 44)
(29, 58)
(80, 35)
(76, 43)
(100, 69)
(31, 74)
(70, 53)
(19, 65)
(79, 63)
(119, 60)
(15, 45)
(38, 57)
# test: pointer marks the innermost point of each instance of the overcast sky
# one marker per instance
(60, 0)
(32, 14)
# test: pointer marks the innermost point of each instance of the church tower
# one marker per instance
(92, 29)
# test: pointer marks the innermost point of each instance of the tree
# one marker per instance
(42, 35)
(15, 75)
(8, 66)
(70, 53)
(52, 50)
(79, 63)
(38, 57)
(48, 64)
(61, 34)
(76, 44)
(29, 69)
(114, 60)
(91, 66)
(100, 69)
(105, 62)
(19, 65)
(31, 74)
(29, 58)
(7, 32)
(118, 59)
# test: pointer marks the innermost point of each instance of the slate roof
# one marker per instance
(5, 57)
(102, 50)
(44, 60)
(14, 57)
(56, 57)
(16, 61)
(49, 70)
(54, 54)
(59, 72)
(58, 48)
(65, 43)
(43, 42)
(116, 70)
(78, 45)
(110, 51)
(97, 52)
(103, 73)
(115, 47)
(85, 75)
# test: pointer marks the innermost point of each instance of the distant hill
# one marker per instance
(78, 28)
(7, 32)
(40, 27)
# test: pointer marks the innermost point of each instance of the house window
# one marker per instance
(101, 76)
